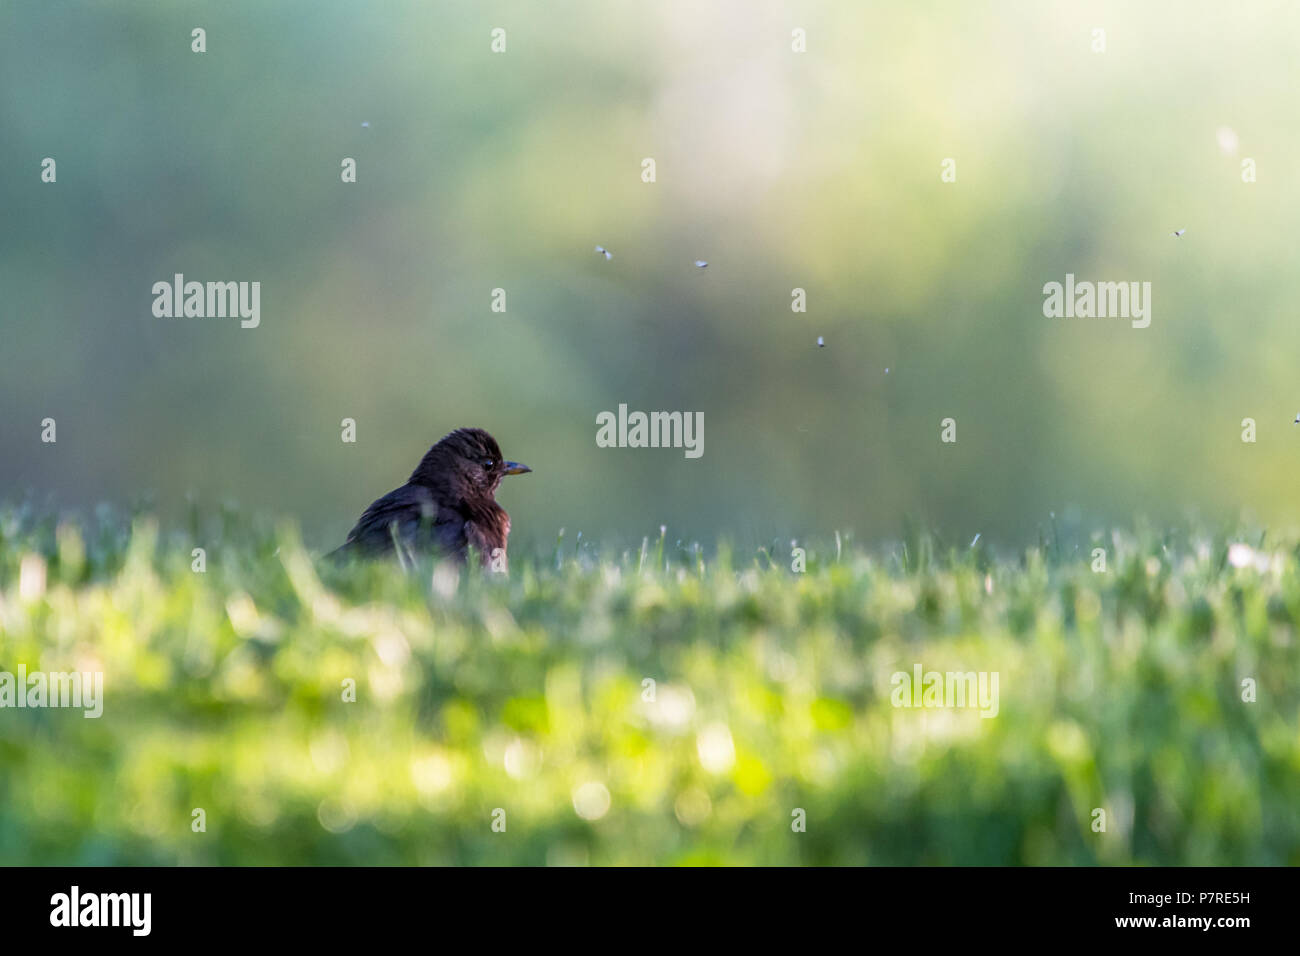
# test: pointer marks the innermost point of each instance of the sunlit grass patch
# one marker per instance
(656, 705)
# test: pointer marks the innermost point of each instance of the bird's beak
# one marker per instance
(514, 468)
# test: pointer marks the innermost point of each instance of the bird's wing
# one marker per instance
(399, 514)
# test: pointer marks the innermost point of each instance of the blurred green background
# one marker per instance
(818, 170)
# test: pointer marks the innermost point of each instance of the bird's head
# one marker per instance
(465, 465)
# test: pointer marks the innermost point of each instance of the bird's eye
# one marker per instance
(488, 463)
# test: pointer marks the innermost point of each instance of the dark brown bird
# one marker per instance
(447, 505)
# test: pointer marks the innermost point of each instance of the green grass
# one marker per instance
(224, 691)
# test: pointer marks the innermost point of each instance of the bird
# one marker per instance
(601, 250)
(1178, 232)
(701, 264)
(447, 506)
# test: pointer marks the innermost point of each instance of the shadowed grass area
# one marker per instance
(225, 690)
